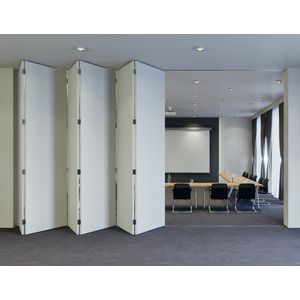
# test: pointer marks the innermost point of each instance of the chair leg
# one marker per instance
(184, 211)
(220, 212)
(253, 211)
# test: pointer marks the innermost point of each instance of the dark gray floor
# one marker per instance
(181, 244)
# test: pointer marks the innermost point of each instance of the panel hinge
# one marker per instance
(79, 121)
(79, 71)
(116, 170)
(23, 172)
(134, 221)
(134, 121)
(134, 171)
(23, 222)
(23, 121)
(134, 71)
(79, 222)
(78, 172)
(67, 80)
(116, 80)
(24, 71)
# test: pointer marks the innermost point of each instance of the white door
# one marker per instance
(43, 203)
(97, 148)
(125, 148)
(150, 148)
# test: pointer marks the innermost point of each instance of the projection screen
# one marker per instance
(187, 150)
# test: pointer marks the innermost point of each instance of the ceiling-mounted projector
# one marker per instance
(170, 112)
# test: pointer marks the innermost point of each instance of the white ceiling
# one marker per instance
(213, 97)
(176, 52)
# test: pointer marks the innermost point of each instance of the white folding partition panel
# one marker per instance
(125, 148)
(42, 152)
(140, 148)
(73, 147)
(150, 148)
(92, 203)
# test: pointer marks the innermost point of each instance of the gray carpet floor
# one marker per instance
(206, 243)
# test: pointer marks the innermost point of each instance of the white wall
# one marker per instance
(6, 149)
(291, 148)
(235, 144)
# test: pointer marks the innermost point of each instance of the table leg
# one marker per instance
(257, 197)
(204, 198)
(196, 198)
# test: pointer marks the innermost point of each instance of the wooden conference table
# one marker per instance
(232, 180)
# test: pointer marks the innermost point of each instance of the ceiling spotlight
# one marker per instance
(261, 96)
(195, 96)
(196, 81)
(195, 104)
(199, 49)
(230, 89)
(278, 81)
(80, 49)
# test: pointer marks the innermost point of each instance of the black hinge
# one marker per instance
(23, 222)
(67, 80)
(23, 172)
(116, 80)
(134, 71)
(79, 121)
(134, 221)
(79, 222)
(24, 71)
(116, 170)
(134, 171)
(78, 172)
(134, 121)
(79, 71)
(23, 121)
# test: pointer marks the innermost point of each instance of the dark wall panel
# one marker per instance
(212, 123)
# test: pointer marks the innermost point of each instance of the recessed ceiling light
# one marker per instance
(194, 111)
(251, 103)
(195, 96)
(199, 49)
(194, 116)
(80, 49)
(195, 104)
(224, 100)
(261, 96)
(278, 81)
(230, 89)
(196, 81)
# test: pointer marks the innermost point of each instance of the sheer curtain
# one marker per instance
(275, 157)
(258, 156)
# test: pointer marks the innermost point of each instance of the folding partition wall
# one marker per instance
(140, 148)
(91, 148)
(6, 149)
(42, 114)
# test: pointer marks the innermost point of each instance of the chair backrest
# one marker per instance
(182, 191)
(261, 180)
(254, 177)
(245, 174)
(250, 177)
(265, 184)
(246, 191)
(219, 191)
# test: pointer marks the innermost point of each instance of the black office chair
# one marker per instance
(182, 191)
(264, 189)
(254, 177)
(247, 193)
(245, 174)
(219, 191)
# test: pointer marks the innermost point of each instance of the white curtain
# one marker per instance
(257, 167)
(275, 157)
